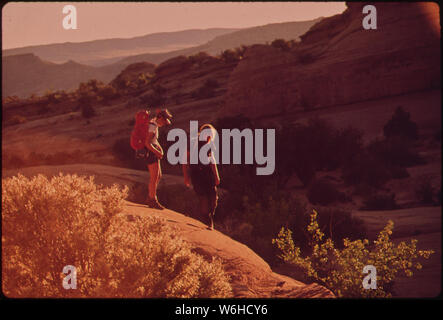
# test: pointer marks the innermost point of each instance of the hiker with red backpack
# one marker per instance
(204, 177)
(144, 139)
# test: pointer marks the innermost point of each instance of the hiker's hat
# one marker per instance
(165, 114)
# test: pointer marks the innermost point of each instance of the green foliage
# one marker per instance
(341, 270)
(69, 220)
(401, 125)
(339, 224)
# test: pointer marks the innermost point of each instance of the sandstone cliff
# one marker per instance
(339, 62)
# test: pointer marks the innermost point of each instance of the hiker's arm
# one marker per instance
(185, 168)
(215, 172)
(156, 149)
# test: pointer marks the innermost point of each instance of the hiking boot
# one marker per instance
(211, 222)
(154, 204)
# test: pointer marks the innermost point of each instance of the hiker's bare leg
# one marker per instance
(154, 178)
(212, 205)
(203, 201)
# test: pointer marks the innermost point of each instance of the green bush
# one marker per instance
(339, 224)
(341, 270)
(69, 220)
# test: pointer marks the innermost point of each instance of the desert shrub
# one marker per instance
(304, 57)
(341, 270)
(379, 201)
(281, 44)
(366, 169)
(332, 148)
(35, 159)
(122, 150)
(399, 172)
(11, 99)
(88, 111)
(43, 110)
(58, 158)
(198, 57)
(180, 198)
(395, 151)
(55, 97)
(401, 125)
(161, 263)
(240, 51)
(17, 119)
(258, 222)
(425, 192)
(230, 56)
(207, 90)
(155, 98)
(323, 192)
(339, 224)
(12, 161)
(108, 93)
(69, 220)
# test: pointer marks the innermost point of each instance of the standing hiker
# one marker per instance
(154, 154)
(204, 178)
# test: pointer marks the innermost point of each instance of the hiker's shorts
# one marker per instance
(151, 158)
(147, 156)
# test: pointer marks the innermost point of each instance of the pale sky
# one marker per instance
(36, 23)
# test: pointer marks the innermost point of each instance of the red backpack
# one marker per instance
(140, 131)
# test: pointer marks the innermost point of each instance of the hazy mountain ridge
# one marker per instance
(93, 52)
(34, 79)
(248, 36)
(25, 74)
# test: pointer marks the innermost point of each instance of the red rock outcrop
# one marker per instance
(339, 62)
